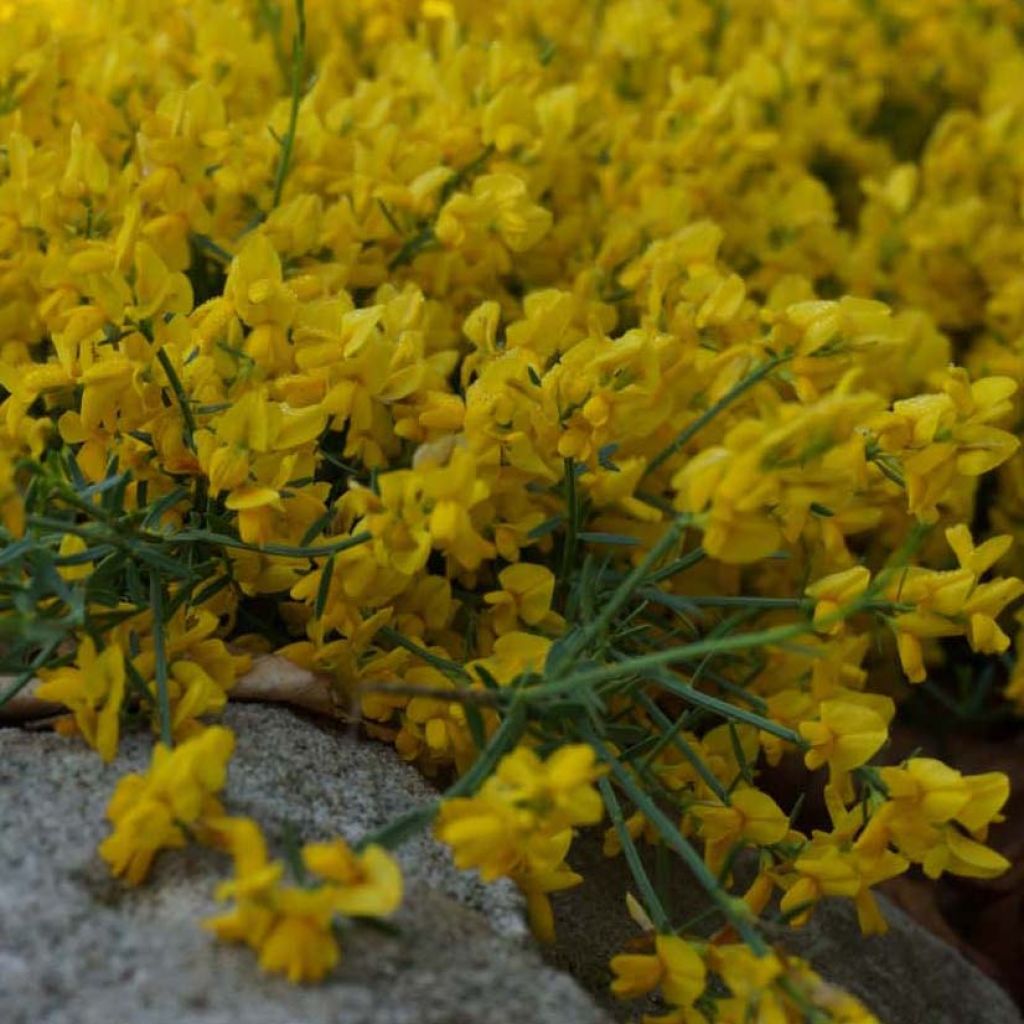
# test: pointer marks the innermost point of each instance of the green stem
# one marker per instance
(272, 20)
(631, 583)
(741, 601)
(687, 561)
(163, 700)
(283, 550)
(670, 734)
(189, 427)
(412, 247)
(731, 712)
(25, 677)
(652, 903)
(407, 825)
(444, 665)
(736, 391)
(659, 659)
(734, 910)
(571, 521)
(298, 68)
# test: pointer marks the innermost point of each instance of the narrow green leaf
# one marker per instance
(618, 539)
(323, 588)
(652, 903)
(163, 700)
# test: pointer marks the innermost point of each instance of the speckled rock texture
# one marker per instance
(905, 977)
(78, 947)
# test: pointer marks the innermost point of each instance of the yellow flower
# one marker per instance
(833, 593)
(828, 870)
(93, 691)
(675, 966)
(484, 833)
(560, 789)
(930, 808)
(299, 943)
(143, 827)
(152, 812)
(526, 592)
(636, 974)
(519, 824)
(750, 816)
(515, 653)
(255, 285)
(255, 873)
(434, 730)
(845, 736)
(498, 202)
(956, 853)
(366, 884)
(747, 975)
(739, 526)
(977, 559)
(942, 436)
(291, 926)
(71, 544)
(938, 791)
(982, 608)
(541, 878)
(158, 292)
(451, 492)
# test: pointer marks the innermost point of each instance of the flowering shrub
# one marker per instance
(608, 398)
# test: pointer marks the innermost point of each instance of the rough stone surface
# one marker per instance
(77, 947)
(905, 977)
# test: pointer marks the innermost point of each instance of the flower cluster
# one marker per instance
(770, 988)
(200, 672)
(520, 824)
(291, 926)
(583, 390)
(165, 807)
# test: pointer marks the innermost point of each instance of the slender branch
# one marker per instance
(572, 521)
(741, 388)
(25, 677)
(630, 584)
(281, 550)
(486, 698)
(189, 425)
(298, 69)
(671, 735)
(655, 908)
(163, 700)
(407, 825)
(660, 659)
(445, 665)
(734, 910)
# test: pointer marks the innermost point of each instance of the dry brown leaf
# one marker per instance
(272, 679)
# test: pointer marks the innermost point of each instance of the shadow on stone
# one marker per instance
(905, 977)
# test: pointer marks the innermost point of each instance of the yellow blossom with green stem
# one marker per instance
(291, 925)
(582, 391)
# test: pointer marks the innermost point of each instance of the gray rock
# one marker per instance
(907, 976)
(78, 947)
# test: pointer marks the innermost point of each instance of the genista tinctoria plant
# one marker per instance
(610, 399)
